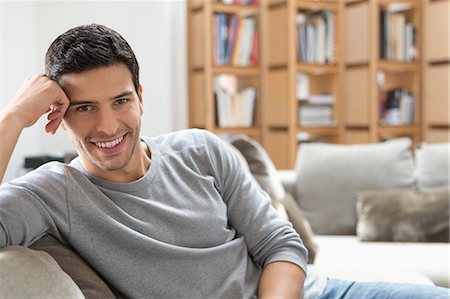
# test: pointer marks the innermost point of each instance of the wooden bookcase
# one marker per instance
(365, 70)
(369, 75)
(285, 126)
(436, 65)
(202, 68)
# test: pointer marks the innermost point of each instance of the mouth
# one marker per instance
(109, 144)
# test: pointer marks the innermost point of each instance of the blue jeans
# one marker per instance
(342, 289)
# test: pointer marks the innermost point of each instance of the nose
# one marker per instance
(106, 121)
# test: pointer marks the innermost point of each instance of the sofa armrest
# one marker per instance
(288, 178)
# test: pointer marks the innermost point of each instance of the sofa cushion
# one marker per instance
(432, 165)
(329, 175)
(301, 225)
(260, 165)
(265, 173)
(87, 279)
(403, 216)
(355, 259)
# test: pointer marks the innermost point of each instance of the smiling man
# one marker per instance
(104, 120)
(172, 216)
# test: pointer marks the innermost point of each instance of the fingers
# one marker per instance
(55, 117)
(53, 125)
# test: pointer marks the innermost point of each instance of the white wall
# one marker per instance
(19, 59)
(154, 29)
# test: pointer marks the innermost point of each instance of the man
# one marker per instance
(173, 216)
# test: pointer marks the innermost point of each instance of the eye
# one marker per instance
(84, 108)
(122, 101)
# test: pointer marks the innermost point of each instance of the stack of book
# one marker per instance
(316, 37)
(314, 109)
(234, 108)
(235, 40)
(397, 107)
(316, 115)
(397, 34)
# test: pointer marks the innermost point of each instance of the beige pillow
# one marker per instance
(403, 216)
(265, 173)
(90, 283)
(301, 225)
(433, 166)
(329, 175)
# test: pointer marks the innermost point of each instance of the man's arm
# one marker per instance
(281, 280)
(37, 96)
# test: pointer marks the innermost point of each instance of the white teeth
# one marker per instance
(109, 144)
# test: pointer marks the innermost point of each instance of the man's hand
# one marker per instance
(37, 96)
(281, 280)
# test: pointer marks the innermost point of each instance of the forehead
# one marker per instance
(98, 83)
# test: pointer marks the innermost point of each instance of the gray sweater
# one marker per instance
(195, 226)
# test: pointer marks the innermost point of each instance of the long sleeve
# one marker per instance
(33, 205)
(268, 237)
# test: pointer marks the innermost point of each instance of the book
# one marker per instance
(316, 115)
(234, 108)
(316, 36)
(397, 34)
(302, 87)
(399, 107)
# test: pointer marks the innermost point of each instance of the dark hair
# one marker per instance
(87, 47)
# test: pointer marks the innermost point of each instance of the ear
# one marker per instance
(141, 104)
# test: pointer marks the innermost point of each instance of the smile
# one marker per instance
(109, 144)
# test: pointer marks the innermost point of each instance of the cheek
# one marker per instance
(77, 128)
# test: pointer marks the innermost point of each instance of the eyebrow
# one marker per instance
(80, 102)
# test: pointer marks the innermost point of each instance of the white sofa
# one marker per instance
(344, 255)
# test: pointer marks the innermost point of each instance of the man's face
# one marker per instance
(103, 118)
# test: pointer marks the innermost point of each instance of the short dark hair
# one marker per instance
(87, 47)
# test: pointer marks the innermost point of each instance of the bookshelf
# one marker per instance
(224, 75)
(436, 65)
(301, 83)
(379, 70)
(382, 71)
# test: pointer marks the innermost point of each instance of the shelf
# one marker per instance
(241, 9)
(275, 3)
(413, 3)
(398, 129)
(246, 131)
(319, 130)
(196, 6)
(236, 70)
(394, 66)
(439, 126)
(388, 132)
(317, 69)
(311, 5)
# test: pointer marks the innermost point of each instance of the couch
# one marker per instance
(335, 185)
(346, 248)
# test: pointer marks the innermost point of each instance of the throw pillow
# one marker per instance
(265, 173)
(403, 216)
(301, 225)
(90, 283)
(432, 165)
(329, 175)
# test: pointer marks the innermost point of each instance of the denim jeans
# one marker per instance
(343, 289)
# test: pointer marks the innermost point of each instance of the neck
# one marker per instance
(134, 170)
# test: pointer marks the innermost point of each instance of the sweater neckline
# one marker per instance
(142, 182)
